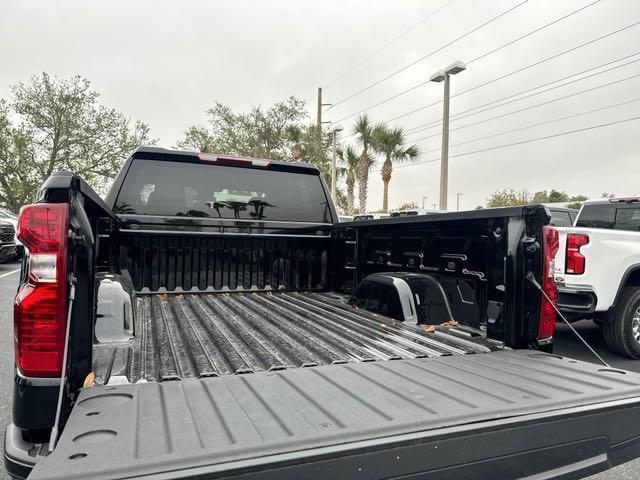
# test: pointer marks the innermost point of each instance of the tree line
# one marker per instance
(510, 197)
(52, 123)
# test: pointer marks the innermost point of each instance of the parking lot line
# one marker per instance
(9, 273)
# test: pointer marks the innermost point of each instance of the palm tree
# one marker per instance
(364, 131)
(390, 142)
(350, 158)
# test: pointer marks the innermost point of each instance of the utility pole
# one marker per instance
(319, 113)
(458, 195)
(445, 75)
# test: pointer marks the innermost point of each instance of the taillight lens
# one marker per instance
(574, 260)
(550, 245)
(39, 310)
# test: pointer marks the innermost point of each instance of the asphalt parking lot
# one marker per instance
(566, 344)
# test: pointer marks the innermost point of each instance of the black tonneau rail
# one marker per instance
(497, 415)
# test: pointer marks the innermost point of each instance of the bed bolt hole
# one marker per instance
(91, 414)
(77, 456)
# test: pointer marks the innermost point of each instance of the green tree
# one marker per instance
(57, 124)
(363, 130)
(258, 133)
(391, 143)
(576, 201)
(508, 197)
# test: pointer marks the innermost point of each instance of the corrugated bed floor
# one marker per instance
(198, 335)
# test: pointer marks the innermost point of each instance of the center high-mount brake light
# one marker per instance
(575, 261)
(239, 161)
(39, 310)
(547, 320)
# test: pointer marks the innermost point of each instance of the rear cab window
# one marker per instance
(613, 216)
(164, 188)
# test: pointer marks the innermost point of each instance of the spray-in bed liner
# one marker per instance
(192, 335)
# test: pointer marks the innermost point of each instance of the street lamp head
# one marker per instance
(337, 128)
(455, 67)
(437, 77)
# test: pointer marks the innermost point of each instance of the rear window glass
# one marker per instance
(610, 216)
(153, 187)
(628, 218)
(560, 219)
(597, 216)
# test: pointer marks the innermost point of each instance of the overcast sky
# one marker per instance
(166, 62)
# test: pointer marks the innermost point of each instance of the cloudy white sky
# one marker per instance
(166, 62)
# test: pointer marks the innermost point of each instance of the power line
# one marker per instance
(522, 142)
(378, 82)
(597, 87)
(539, 124)
(539, 62)
(486, 54)
(388, 44)
(504, 45)
(480, 109)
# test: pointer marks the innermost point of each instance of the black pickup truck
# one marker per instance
(210, 319)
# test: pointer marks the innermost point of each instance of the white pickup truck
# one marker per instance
(597, 270)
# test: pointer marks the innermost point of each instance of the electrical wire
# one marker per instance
(388, 44)
(522, 142)
(486, 54)
(539, 124)
(489, 106)
(424, 57)
(597, 87)
(506, 75)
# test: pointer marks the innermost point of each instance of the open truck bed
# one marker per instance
(191, 316)
(193, 335)
(536, 414)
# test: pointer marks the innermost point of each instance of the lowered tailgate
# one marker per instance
(501, 415)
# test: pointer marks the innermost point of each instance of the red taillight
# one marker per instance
(41, 303)
(574, 260)
(547, 321)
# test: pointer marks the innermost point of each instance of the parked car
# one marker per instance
(597, 269)
(212, 334)
(370, 216)
(13, 219)
(7, 241)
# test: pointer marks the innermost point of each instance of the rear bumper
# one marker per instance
(20, 456)
(576, 301)
(7, 252)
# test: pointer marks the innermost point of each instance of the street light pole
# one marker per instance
(445, 75)
(334, 131)
(444, 162)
